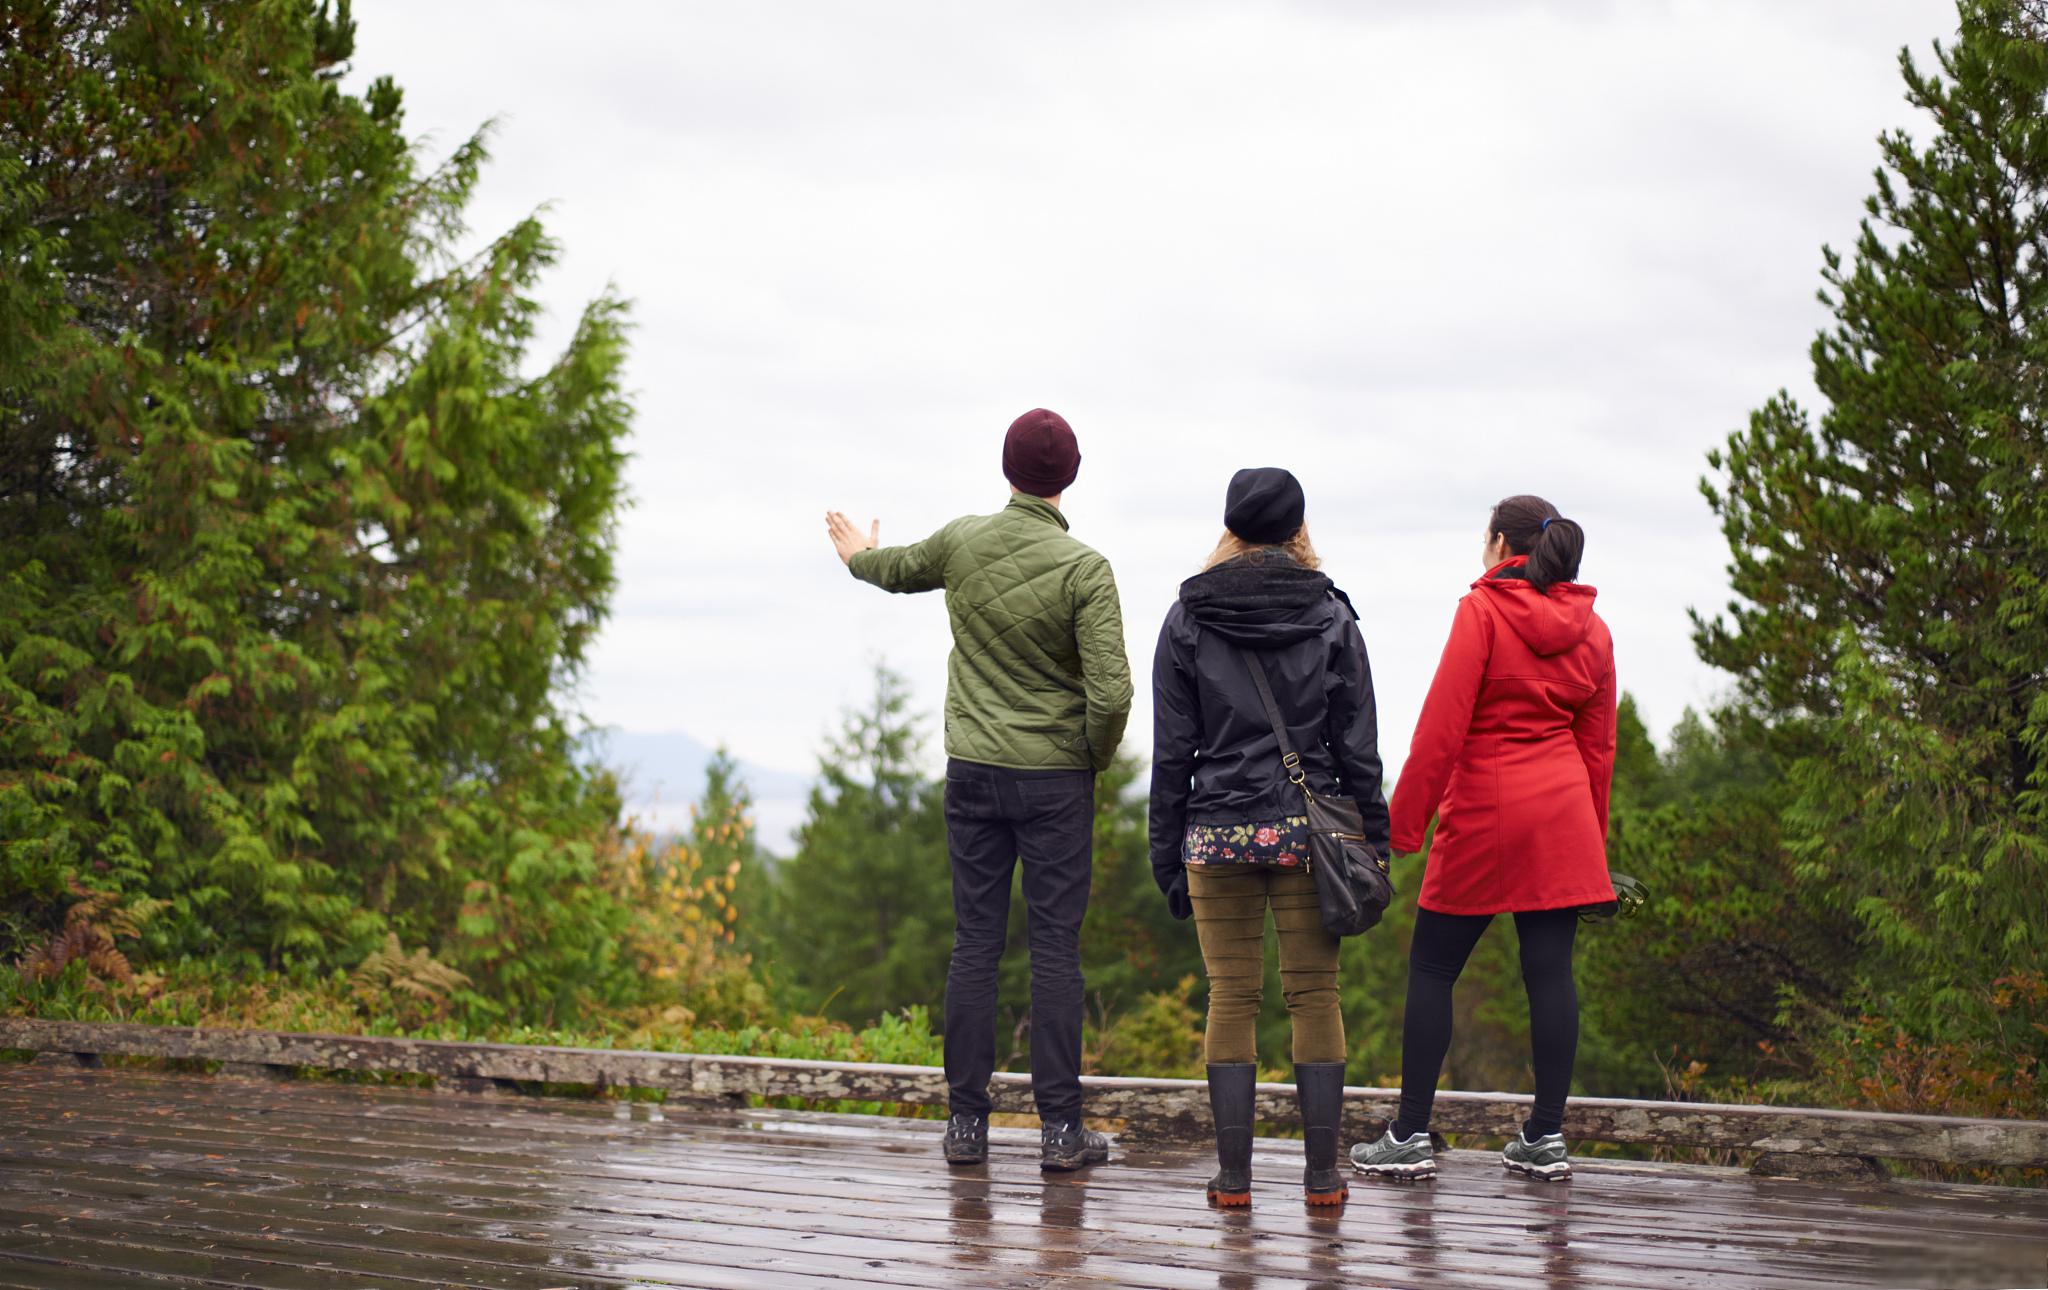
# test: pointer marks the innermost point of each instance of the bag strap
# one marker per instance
(1288, 757)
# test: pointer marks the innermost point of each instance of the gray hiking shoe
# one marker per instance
(1544, 1158)
(1396, 1158)
(1066, 1147)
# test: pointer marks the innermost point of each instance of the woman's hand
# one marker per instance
(849, 541)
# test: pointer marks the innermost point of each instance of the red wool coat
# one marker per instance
(1514, 753)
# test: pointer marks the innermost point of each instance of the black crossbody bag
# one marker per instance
(1353, 887)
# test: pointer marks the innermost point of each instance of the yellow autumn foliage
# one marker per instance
(681, 930)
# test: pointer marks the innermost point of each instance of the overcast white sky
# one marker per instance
(1424, 255)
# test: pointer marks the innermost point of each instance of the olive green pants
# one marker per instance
(1230, 920)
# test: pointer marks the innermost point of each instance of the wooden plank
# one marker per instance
(972, 1217)
(895, 1243)
(1442, 1249)
(85, 1245)
(467, 1263)
(795, 1153)
(1485, 1224)
(769, 1187)
(908, 1215)
(1168, 1194)
(433, 1131)
(1177, 1190)
(1110, 1253)
(666, 1250)
(21, 1271)
(459, 1164)
(1153, 1108)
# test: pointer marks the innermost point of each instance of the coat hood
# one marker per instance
(1549, 622)
(1261, 601)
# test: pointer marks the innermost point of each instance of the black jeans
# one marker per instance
(994, 816)
(1435, 958)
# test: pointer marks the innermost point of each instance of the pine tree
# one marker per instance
(1891, 561)
(863, 910)
(295, 555)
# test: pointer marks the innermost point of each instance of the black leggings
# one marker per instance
(1442, 944)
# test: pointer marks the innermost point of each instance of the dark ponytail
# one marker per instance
(1533, 528)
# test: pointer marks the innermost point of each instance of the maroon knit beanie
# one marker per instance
(1039, 453)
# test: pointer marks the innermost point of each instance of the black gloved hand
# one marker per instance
(1177, 898)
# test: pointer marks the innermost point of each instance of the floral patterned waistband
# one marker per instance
(1280, 843)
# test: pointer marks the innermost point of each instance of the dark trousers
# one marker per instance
(994, 817)
(1435, 958)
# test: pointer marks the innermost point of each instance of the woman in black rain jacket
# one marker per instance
(1229, 832)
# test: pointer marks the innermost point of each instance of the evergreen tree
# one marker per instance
(722, 817)
(295, 557)
(722, 832)
(1891, 561)
(1730, 933)
(863, 910)
(1638, 775)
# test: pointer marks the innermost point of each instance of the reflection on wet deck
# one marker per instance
(125, 1178)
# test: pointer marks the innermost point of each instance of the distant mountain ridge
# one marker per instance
(662, 774)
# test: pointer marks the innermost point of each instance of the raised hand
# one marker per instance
(847, 540)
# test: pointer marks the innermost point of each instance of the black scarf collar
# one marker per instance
(1258, 583)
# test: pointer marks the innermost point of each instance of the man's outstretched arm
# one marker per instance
(917, 567)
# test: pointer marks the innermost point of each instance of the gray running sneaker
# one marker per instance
(1412, 1157)
(1544, 1158)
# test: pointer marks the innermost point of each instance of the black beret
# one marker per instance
(1264, 505)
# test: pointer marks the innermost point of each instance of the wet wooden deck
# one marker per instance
(125, 1178)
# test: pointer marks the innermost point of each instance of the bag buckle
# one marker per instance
(1295, 774)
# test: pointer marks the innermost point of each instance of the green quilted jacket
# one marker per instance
(1038, 679)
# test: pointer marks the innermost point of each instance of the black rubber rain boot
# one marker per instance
(1319, 1086)
(1232, 1089)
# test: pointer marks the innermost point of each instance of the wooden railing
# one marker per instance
(1156, 1109)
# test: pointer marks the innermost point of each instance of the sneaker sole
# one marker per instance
(966, 1160)
(1541, 1173)
(1400, 1173)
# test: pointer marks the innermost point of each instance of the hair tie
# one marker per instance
(1544, 527)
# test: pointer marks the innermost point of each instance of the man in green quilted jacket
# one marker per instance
(1037, 693)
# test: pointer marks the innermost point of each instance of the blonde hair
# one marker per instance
(1298, 548)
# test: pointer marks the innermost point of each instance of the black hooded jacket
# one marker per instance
(1214, 757)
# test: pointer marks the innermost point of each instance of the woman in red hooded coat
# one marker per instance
(1512, 757)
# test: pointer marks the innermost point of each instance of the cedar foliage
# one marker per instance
(1890, 559)
(297, 547)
